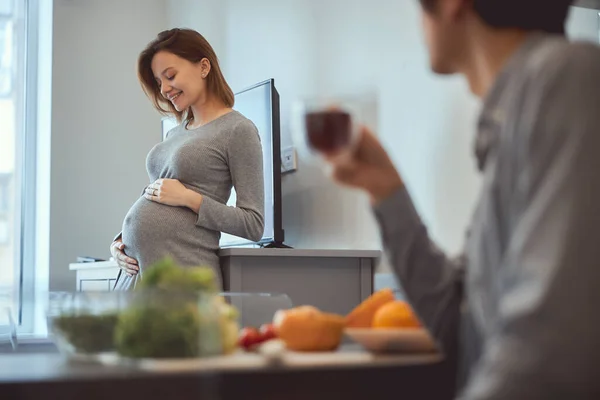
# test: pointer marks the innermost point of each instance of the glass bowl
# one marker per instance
(146, 323)
(82, 324)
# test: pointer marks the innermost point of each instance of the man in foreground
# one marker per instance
(520, 309)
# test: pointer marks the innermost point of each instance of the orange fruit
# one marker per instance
(396, 314)
(306, 328)
(362, 315)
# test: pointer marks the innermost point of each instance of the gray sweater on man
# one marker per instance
(520, 308)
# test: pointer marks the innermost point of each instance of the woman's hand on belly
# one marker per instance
(126, 263)
(171, 192)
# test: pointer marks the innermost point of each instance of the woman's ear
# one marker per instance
(205, 67)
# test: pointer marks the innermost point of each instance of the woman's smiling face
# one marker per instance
(181, 82)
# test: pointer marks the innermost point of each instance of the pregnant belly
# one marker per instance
(152, 231)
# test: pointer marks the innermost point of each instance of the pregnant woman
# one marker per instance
(183, 210)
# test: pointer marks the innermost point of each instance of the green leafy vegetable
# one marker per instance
(88, 333)
(166, 274)
(156, 331)
(166, 320)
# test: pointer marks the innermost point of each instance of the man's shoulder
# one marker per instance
(557, 58)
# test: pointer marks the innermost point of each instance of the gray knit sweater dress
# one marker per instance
(212, 159)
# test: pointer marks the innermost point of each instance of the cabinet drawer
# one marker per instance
(97, 285)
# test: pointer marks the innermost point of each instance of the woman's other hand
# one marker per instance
(368, 167)
(126, 263)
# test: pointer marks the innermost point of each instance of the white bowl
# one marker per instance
(414, 340)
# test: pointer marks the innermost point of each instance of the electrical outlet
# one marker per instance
(288, 160)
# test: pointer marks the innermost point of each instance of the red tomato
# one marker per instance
(249, 337)
(267, 332)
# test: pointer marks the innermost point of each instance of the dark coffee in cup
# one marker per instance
(328, 131)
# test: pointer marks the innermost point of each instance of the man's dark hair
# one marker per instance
(532, 15)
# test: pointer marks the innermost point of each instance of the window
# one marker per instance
(5, 55)
(18, 114)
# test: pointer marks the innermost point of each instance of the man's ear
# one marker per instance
(455, 9)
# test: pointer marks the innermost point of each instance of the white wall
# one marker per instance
(425, 122)
(276, 39)
(102, 124)
(209, 15)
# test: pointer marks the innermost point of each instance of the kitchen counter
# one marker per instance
(355, 375)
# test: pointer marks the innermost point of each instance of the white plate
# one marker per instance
(393, 340)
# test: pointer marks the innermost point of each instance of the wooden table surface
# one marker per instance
(349, 374)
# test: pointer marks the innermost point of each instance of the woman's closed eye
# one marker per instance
(169, 78)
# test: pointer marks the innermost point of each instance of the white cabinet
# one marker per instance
(97, 276)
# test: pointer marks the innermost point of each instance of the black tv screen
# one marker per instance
(260, 104)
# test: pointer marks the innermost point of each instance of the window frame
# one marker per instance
(26, 54)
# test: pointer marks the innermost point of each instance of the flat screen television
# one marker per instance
(260, 104)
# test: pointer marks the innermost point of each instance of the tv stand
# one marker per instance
(332, 280)
(277, 245)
